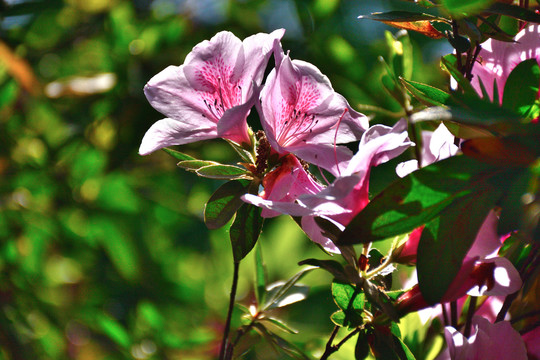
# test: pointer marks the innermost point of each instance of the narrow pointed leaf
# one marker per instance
(332, 266)
(178, 155)
(223, 172)
(245, 230)
(280, 343)
(387, 345)
(422, 27)
(280, 298)
(280, 324)
(260, 275)
(401, 16)
(282, 290)
(463, 8)
(195, 164)
(378, 298)
(448, 63)
(361, 349)
(427, 94)
(514, 11)
(224, 203)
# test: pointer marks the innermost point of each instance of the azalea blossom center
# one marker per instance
(214, 74)
(296, 119)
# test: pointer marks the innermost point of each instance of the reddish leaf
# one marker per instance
(424, 27)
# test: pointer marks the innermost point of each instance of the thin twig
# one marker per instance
(445, 314)
(329, 349)
(455, 31)
(453, 314)
(470, 313)
(346, 338)
(225, 340)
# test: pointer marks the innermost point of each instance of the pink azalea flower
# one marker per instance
(286, 183)
(436, 145)
(488, 341)
(532, 343)
(302, 114)
(497, 59)
(348, 194)
(211, 94)
(482, 272)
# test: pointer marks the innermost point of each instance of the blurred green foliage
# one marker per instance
(104, 254)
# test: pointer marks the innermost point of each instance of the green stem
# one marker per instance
(225, 340)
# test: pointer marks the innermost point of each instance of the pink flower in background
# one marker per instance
(488, 341)
(482, 271)
(497, 59)
(532, 343)
(348, 194)
(436, 145)
(211, 94)
(302, 114)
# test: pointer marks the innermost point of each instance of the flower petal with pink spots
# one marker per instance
(211, 94)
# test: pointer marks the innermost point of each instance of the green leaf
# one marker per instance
(347, 297)
(361, 349)
(512, 207)
(514, 11)
(194, 164)
(349, 320)
(214, 170)
(224, 203)
(401, 16)
(447, 238)
(223, 172)
(280, 324)
(521, 87)
(114, 331)
(405, 352)
(406, 55)
(490, 29)
(280, 343)
(178, 155)
(449, 63)
(332, 266)
(245, 230)
(118, 245)
(388, 346)
(463, 8)
(378, 298)
(390, 86)
(426, 94)
(415, 199)
(260, 275)
(276, 294)
(474, 111)
(390, 81)
(460, 43)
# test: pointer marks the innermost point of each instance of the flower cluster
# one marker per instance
(304, 120)
(309, 129)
